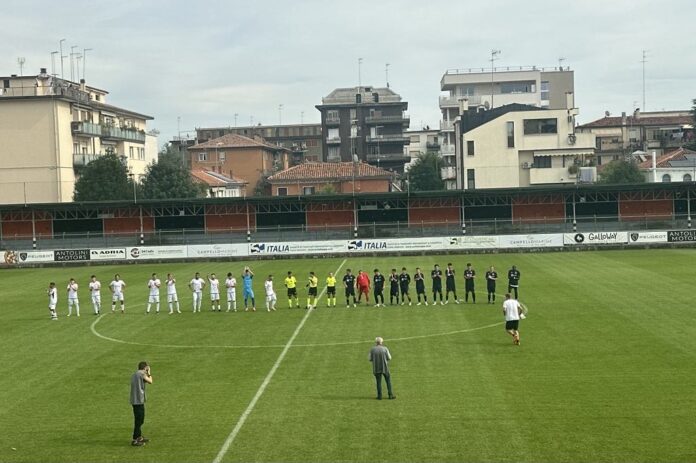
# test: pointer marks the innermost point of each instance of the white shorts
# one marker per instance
(231, 295)
(197, 296)
(117, 297)
(96, 298)
(172, 298)
(214, 296)
(73, 301)
(271, 297)
(153, 299)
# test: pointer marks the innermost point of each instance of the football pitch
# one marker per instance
(605, 370)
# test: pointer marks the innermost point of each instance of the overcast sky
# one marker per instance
(204, 61)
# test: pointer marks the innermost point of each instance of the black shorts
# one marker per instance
(437, 289)
(292, 292)
(450, 286)
(512, 324)
(469, 286)
(420, 289)
(330, 290)
(394, 291)
(350, 291)
(491, 288)
(312, 291)
(404, 290)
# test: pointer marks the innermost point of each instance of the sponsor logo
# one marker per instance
(579, 238)
(135, 253)
(108, 253)
(10, 257)
(454, 241)
(602, 236)
(360, 245)
(23, 256)
(355, 245)
(678, 236)
(259, 248)
(69, 255)
(634, 236)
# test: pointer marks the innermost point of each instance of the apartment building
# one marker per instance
(422, 141)
(491, 88)
(330, 178)
(365, 124)
(519, 145)
(640, 133)
(304, 141)
(678, 165)
(241, 158)
(51, 128)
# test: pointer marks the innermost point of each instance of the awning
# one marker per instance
(568, 152)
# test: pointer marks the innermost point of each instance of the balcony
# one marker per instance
(388, 158)
(453, 100)
(86, 128)
(123, 133)
(333, 121)
(333, 140)
(392, 119)
(447, 150)
(447, 126)
(82, 159)
(388, 138)
(448, 173)
(432, 145)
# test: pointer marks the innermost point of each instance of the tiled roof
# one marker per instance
(330, 170)
(214, 179)
(678, 156)
(234, 141)
(615, 121)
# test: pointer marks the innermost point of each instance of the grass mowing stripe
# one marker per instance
(242, 419)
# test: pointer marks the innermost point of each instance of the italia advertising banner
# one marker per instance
(595, 238)
(397, 245)
(157, 252)
(296, 247)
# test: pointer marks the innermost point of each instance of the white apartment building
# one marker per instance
(420, 142)
(51, 128)
(492, 88)
(521, 145)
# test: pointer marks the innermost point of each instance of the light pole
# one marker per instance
(135, 191)
(494, 56)
(217, 156)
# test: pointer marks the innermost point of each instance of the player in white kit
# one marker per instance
(231, 285)
(214, 292)
(72, 297)
(52, 300)
(154, 298)
(172, 297)
(95, 291)
(271, 298)
(117, 286)
(196, 286)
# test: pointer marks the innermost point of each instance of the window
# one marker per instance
(332, 115)
(687, 177)
(353, 114)
(666, 178)
(307, 190)
(76, 148)
(203, 156)
(470, 179)
(6, 83)
(282, 191)
(542, 162)
(510, 134)
(467, 90)
(130, 152)
(334, 154)
(517, 87)
(222, 156)
(97, 97)
(470, 147)
(540, 126)
(544, 90)
(142, 153)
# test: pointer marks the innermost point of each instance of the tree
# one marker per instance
(168, 179)
(692, 145)
(104, 179)
(622, 172)
(424, 174)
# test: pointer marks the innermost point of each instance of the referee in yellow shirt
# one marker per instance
(331, 290)
(312, 284)
(291, 284)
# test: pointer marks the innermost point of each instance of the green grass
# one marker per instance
(605, 371)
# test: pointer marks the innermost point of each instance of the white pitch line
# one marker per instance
(242, 419)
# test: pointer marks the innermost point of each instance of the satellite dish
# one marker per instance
(486, 105)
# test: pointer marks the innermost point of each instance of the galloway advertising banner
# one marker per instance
(157, 252)
(647, 237)
(217, 250)
(71, 255)
(472, 242)
(595, 238)
(108, 254)
(397, 245)
(296, 247)
(548, 240)
(681, 236)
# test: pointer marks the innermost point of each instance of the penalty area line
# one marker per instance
(242, 419)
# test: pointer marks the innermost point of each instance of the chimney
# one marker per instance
(83, 87)
(463, 105)
(570, 100)
(623, 118)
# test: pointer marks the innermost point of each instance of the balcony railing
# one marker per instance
(403, 118)
(333, 121)
(388, 138)
(86, 128)
(82, 159)
(432, 145)
(123, 133)
(333, 140)
(388, 157)
(447, 125)
(447, 150)
(448, 173)
(453, 101)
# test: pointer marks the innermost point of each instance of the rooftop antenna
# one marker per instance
(386, 73)
(53, 63)
(359, 73)
(21, 60)
(84, 61)
(560, 63)
(643, 61)
(494, 57)
(60, 44)
(72, 62)
(78, 59)
(280, 114)
(236, 115)
(301, 117)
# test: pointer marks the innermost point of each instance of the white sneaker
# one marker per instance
(441, 303)
(410, 304)
(355, 305)
(420, 303)
(426, 302)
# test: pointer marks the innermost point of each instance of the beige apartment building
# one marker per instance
(520, 145)
(50, 128)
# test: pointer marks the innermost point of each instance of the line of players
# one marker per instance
(399, 286)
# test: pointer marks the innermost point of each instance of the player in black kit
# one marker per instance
(378, 281)
(450, 285)
(419, 278)
(436, 275)
(349, 284)
(491, 277)
(469, 275)
(393, 287)
(404, 282)
(514, 280)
